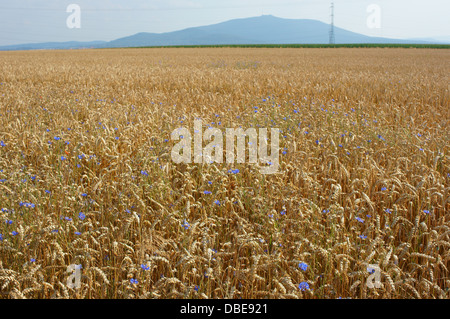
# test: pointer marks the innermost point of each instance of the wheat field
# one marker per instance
(86, 176)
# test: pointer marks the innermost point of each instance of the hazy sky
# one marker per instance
(28, 21)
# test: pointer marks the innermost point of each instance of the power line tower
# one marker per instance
(332, 40)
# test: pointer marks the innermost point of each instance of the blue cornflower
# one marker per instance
(81, 215)
(2, 144)
(77, 233)
(196, 288)
(387, 210)
(84, 194)
(145, 267)
(207, 192)
(426, 211)
(134, 281)
(303, 266)
(28, 205)
(283, 212)
(383, 188)
(68, 218)
(14, 233)
(144, 173)
(303, 286)
(360, 220)
(217, 202)
(186, 225)
(32, 260)
(233, 171)
(1, 237)
(362, 236)
(63, 158)
(57, 138)
(9, 222)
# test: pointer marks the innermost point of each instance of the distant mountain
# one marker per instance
(53, 45)
(436, 40)
(265, 29)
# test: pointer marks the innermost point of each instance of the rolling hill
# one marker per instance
(266, 29)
